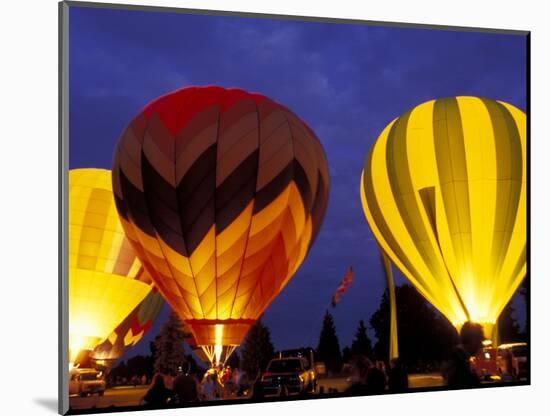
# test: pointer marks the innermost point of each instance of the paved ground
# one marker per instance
(119, 396)
(415, 381)
(131, 396)
(425, 380)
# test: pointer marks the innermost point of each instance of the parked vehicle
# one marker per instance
(84, 381)
(485, 364)
(515, 363)
(507, 362)
(290, 375)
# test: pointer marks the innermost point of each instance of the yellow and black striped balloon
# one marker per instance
(444, 192)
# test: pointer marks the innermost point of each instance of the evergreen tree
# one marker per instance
(234, 360)
(524, 292)
(346, 354)
(191, 366)
(361, 344)
(424, 334)
(168, 347)
(140, 365)
(508, 327)
(256, 350)
(328, 349)
(119, 372)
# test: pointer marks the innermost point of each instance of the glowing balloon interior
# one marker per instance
(444, 192)
(130, 331)
(221, 193)
(106, 280)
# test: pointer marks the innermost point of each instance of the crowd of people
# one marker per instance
(367, 377)
(370, 377)
(216, 384)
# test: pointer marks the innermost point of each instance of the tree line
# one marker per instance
(425, 338)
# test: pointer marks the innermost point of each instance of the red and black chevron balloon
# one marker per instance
(221, 193)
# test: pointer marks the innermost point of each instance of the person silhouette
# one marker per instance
(397, 379)
(158, 394)
(185, 388)
(459, 373)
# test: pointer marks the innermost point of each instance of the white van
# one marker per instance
(84, 381)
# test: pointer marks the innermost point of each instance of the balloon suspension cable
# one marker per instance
(230, 350)
(218, 354)
(209, 351)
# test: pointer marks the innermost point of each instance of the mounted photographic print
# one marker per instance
(265, 208)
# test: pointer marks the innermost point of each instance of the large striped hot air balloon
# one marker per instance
(444, 192)
(106, 280)
(221, 193)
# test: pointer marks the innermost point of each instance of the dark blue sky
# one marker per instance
(346, 81)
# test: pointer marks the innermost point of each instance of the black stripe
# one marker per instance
(161, 204)
(509, 176)
(300, 177)
(236, 180)
(274, 188)
(196, 231)
(404, 195)
(204, 165)
(236, 192)
(380, 221)
(191, 207)
(134, 205)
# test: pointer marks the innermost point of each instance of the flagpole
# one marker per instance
(394, 346)
(330, 305)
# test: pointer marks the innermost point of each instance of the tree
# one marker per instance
(169, 349)
(424, 335)
(119, 372)
(191, 366)
(140, 365)
(328, 350)
(361, 344)
(256, 350)
(508, 327)
(524, 291)
(346, 354)
(234, 360)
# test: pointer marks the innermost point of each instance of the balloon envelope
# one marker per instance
(130, 331)
(106, 280)
(444, 192)
(221, 193)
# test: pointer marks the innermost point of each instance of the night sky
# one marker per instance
(347, 82)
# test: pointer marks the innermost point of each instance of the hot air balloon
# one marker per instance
(444, 192)
(106, 280)
(129, 332)
(221, 193)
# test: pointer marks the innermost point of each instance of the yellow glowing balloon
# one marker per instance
(444, 192)
(106, 280)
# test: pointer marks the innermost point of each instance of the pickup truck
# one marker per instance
(290, 375)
